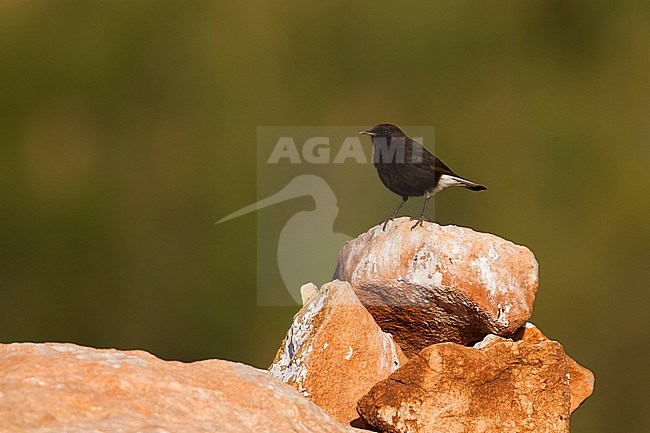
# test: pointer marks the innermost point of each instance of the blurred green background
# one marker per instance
(127, 128)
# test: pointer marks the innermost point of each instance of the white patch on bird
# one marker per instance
(447, 180)
(350, 352)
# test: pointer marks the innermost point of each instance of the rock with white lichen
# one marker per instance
(55, 387)
(439, 283)
(334, 352)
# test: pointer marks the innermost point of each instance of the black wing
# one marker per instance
(421, 158)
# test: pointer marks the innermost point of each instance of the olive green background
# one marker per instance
(127, 128)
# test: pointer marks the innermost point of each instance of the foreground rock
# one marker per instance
(334, 351)
(67, 388)
(439, 283)
(581, 379)
(498, 386)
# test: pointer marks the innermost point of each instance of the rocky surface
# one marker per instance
(439, 283)
(457, 302)
(56, 387)
(334, 351)
(497, 386)
(581, 379)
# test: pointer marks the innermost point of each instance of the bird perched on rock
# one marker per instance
(409, 170)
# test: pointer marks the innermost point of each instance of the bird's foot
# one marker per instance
(422, 219)
(419, 222)
(386, 221)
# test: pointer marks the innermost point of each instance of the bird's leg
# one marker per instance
(424, 209)
(392, 216)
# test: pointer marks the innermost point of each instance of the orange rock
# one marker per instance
(67, 388)
(334, 351)
(581, 379)
(439, 283)
(504, 386)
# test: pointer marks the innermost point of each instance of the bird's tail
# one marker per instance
(474, 186)
(459, 181)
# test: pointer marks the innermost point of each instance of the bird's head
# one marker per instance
(384, 130)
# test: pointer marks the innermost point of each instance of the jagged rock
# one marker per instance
(439, 283)
(497, 386)
(308, 291)
(581, 379)
(56, 387)
(334, 351)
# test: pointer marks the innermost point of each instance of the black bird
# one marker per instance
(409, 170)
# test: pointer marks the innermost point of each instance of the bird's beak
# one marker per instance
(370, 133)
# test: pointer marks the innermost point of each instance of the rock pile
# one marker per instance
(456, 302)
(420, 331)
